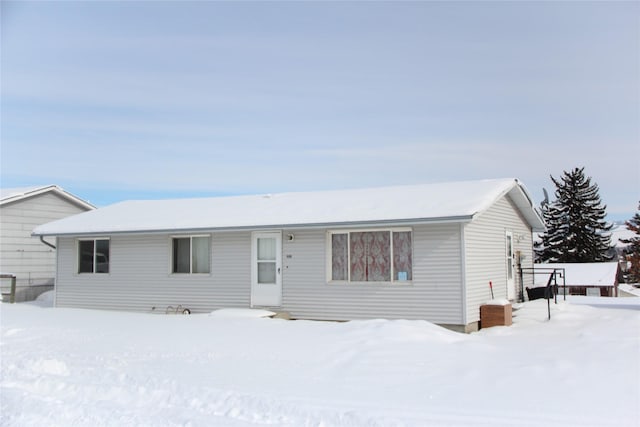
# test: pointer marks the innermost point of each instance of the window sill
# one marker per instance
(189, 274)
(390, 284)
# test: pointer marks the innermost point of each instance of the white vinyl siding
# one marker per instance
(139, 279)
(21, 254)
(434, 294)
(485, 249)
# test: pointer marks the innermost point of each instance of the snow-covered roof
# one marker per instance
(621, 232)
(629, 289)
(12, 195)
(456, 201)
(582, 274)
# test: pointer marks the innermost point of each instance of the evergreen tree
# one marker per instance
(576, 226)
(632, 251)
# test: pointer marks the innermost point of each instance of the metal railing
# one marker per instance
(551, 288)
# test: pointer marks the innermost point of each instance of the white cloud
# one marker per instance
(244, 98)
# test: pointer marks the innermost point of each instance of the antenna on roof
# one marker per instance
(545, 202)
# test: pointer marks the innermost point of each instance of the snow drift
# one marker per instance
(65, 367)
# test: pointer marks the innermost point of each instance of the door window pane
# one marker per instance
(266, 272)
(266, 249)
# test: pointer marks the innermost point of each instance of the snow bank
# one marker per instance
(628, 303)
(45, 299)
(90, 368)
(241, 313)
(498, 302)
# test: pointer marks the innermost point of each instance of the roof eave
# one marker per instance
(525, 204)
(45, 189)
(333, 225)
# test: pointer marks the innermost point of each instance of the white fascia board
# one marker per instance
(341, 225)
(36, 191)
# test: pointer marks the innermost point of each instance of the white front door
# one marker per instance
(266, 269)
(511, 266)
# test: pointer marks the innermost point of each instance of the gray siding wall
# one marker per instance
(31, 261)
(139, 278)
(485, 248)
(435, 293)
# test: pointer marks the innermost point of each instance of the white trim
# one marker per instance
(27, 192)
(57, 273)
(463, 273)
(348, 231)
(258, 298)
(283, 227)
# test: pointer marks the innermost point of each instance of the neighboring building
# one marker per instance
(413, 252)
(21, 254)
(628, 290)
(589, 279)
(620, 231)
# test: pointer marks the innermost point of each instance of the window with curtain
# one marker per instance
(191, 255)
(371, 256)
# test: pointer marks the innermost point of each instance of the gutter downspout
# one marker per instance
(47, 243)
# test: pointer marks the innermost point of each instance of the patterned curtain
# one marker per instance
(339, 257)
(402, 262)
(370, 257)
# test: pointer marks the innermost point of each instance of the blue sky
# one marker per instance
(122, 100)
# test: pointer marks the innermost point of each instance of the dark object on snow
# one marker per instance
(545, 292)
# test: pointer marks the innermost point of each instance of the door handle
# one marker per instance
(278, 270)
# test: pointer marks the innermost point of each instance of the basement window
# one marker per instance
(93, 256)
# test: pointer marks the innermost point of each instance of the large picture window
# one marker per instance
(371, 256)
(93, 256)
(190, 254)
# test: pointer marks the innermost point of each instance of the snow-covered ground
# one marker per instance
(66, 367)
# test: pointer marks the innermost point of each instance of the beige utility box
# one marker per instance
(495, 314)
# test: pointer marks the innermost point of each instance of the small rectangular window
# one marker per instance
(93, 256)
(190, 254)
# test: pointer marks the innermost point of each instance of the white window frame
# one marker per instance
(95, 255)
(348, 231)
(190, 237)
